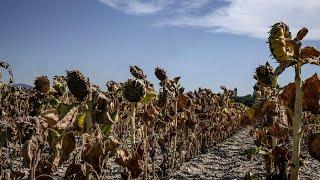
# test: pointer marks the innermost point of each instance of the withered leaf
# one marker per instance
(68, 144)
(309, 52)
(311, 97)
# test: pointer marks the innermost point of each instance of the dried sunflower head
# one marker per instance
(265, 74)
(278, 42)
(112, 86)
(42, 84)
(78, 84)
(134, 90)
(160, 74)
(137, 72)
(3, 64)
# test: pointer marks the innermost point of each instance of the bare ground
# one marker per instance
(227, 160)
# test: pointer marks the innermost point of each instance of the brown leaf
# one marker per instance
(176, 79)
(94, 154)
(288, 95)
(68, 144)
(311, 97)
(309, 52)
(51, 117)
(67, 119)
(184, 102)
(264, 108)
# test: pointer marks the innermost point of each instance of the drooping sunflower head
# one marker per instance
(42, 84)
(112, 86)
(78, 84)
(161, 74)
(137, 72)
(134, 90)
(279, 35)
(265, 74)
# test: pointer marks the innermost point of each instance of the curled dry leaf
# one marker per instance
(184, 102)
(176, 79)
(51, 117)
(52, 137)
(94, 151)
(261, 109)
(309, 52)
(67, 119)
(68, 144)
(311, 97)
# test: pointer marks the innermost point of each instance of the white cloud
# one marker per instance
(253, 17)
(243, 17)
(137, 7)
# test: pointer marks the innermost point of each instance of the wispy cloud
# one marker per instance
(140, 7)
(137, 7)
(243, 17)
(253, 17)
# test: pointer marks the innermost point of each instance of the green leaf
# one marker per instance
(81, 120)
(115, 116)
(149, 96)
(55, 103)
(106, 128)
(63, 109)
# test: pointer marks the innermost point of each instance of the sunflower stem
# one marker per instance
(133, 123)
(176, 133)
(297, 124)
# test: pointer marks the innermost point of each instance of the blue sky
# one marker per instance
(207, 42)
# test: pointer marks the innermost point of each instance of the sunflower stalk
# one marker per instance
(297, 124)
(133, 123)
(145, 139)
(89, 122)
(176, 133)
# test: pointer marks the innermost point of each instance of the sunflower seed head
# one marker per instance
(78, 84)
(161, 74)
(42, 84)
(134, 90)
(137, 72)
(112, 86)
(264, 74)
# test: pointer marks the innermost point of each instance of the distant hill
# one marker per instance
(25, 86)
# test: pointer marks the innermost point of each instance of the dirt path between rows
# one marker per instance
(227, 161)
